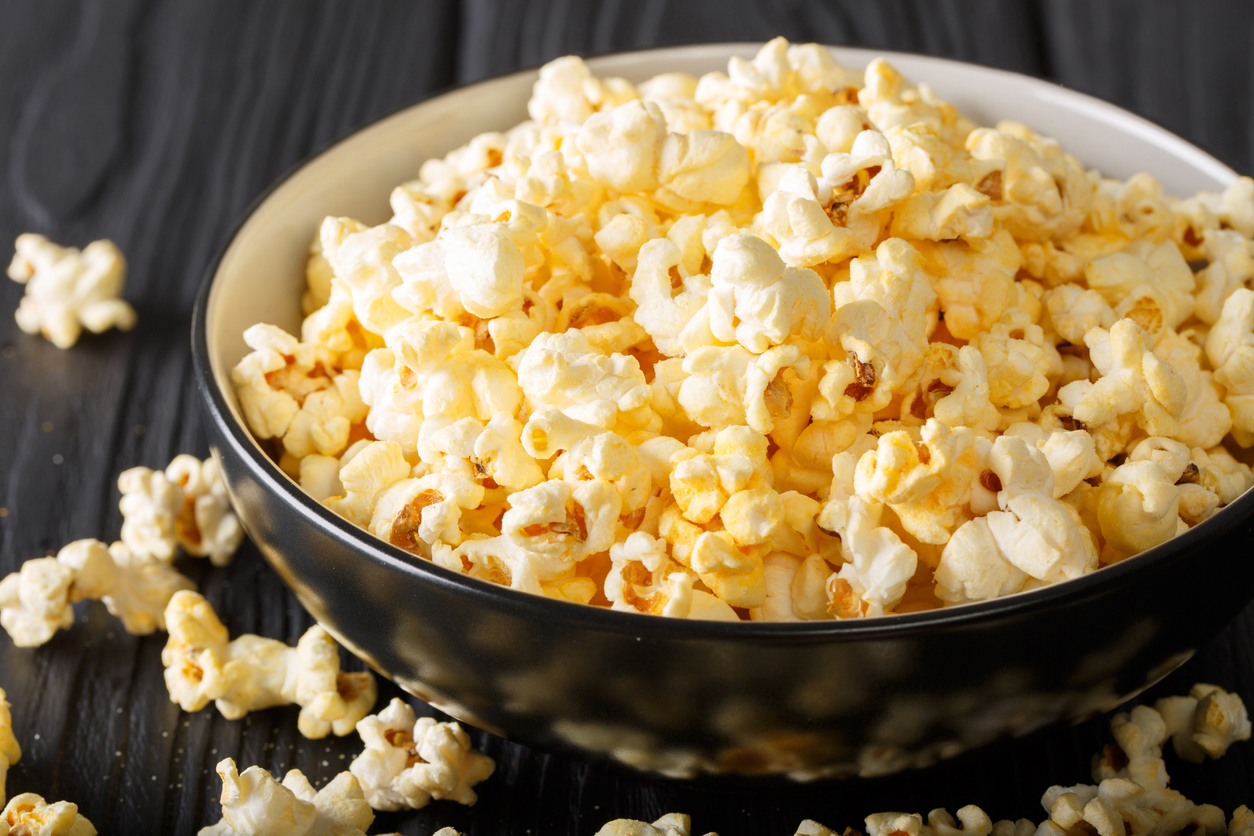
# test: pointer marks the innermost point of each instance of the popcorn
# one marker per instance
(254, 804)
(36, 601)
(740, 316)
(68, 290)
(1230, 347)
(671, 824)
(755, 301)
(1134, 381)
(408, 761)
(251, 673)
(1138, 509)
(1205, 723)
(150, 505)
(205, 527)
(10, 751)
(565, 372)
(1044, 192)
(29, 813)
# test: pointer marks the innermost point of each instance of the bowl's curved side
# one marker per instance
(806, 700)
(687, 702)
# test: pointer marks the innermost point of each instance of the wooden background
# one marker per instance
(155, 123)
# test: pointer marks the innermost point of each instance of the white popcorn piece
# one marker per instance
(1138, 508)
(757, 301)
(254, 804)
(207, 527)
(801, 228)
(1230, 348)
(1204, 723)
(729, 385)
(475, 269)
(879, 565)
(362, 257)
(565, 372)
(408, 761)
(250, 673)
(31, 814)
(891, 101)
(151, 505)
(10, 751)
(671, 824)
(1074, 311)
(68, 290)
(414, 514)
(642, 578)
(37, 600)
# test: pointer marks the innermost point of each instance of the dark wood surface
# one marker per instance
(155, 123)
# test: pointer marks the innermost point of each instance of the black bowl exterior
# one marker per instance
(682, 698)
(687, 698)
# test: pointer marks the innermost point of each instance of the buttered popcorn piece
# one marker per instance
(31, 814)
(250, 673)
(206, 525)
(68, 290)
(10, 751)
(254, 804)
(409, 760)
(37, 600)
(536, 357)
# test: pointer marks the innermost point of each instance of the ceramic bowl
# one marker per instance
(688, 698)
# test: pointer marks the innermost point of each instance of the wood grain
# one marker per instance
(155, 123)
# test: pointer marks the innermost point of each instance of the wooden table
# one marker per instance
(155, 123)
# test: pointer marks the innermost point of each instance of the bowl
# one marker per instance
(684, 698)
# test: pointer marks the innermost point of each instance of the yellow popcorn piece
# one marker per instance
(958, 212)
(408, 761)
(1074, 311)
(926, 483)
(68, 290)
(150, 505)
(10, 751)
(30, 813)
(372, 470)
(1134, 382)
(1151, 284)
(1043, 192)
(254, 804)
(1020, 362)
(250, 673)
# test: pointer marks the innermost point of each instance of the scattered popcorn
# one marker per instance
(251, 673)
(1130, 796)
(30, 814)
(186, 506)
(408, 761)
(254, 804)
(68, 290)
(10, 752)
(785, 342)
(36, 601)
(1205, 723)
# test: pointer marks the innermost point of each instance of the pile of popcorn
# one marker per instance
(791, 342)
